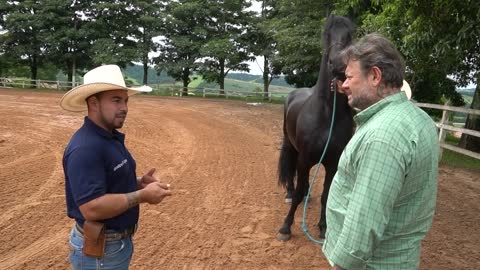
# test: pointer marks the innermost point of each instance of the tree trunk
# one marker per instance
(33, 71)
(145, 70)
(469, 142)
(221, 78)
(266, 79)
(186, 81)
(74, 73)
(69, 71)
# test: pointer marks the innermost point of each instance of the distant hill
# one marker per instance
(242, 85)
(258, 79)
(466, 91)
(135, 73)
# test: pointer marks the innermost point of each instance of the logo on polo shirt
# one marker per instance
(120, 165)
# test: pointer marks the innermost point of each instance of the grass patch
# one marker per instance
(455, 159)
(451, 138)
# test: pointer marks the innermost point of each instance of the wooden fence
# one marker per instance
(27, 83)
(175, 90)
(444, 126)
(227, 93)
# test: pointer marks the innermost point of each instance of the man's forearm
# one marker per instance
(109, 205)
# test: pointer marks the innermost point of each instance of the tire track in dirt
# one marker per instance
(31, 176)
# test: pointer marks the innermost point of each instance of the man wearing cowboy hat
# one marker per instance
(102, 191)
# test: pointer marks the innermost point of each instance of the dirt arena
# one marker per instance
(220, 158)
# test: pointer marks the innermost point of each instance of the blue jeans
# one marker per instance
(117, 254)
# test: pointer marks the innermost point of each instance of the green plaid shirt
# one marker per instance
(382, 199)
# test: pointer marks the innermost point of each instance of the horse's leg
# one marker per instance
(285, 233)
(290, 190)
(287, 166)
(330, 171)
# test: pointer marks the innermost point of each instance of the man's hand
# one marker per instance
(147, 179)
(154, 193)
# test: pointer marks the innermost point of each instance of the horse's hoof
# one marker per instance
(283, 237)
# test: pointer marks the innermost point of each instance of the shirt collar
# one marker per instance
(363, 116)
(102, 132)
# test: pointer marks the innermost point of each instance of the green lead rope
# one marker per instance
(304, 224)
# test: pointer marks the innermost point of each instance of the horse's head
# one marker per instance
(337, 35)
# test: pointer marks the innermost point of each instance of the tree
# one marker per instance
(434, 47)
(71, 37)
(263, 43)
(184, 35)
(111, 29)
(226, 48)
(146, 23)
(26, 32)
(297, 30)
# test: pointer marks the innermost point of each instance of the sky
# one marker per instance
(256, 66)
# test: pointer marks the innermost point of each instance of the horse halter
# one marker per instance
(338, 74)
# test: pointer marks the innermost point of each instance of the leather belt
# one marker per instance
(113, 236)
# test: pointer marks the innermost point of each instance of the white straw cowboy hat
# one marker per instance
(103, 78)
(406, 89)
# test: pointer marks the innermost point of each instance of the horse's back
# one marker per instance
(296, 99)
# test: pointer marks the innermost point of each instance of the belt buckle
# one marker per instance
(114, 236)
(122, 234)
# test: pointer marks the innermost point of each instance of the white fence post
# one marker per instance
(442, 133)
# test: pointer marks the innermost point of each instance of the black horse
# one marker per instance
(306, 124)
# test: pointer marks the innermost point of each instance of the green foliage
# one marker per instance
(136, 72)
(184, 36)
(297, 31)
(433, 46)
(226, 45)
(28, 28)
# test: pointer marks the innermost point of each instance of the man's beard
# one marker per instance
(362, 102)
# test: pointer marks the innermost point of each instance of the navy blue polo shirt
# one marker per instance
(96, 162)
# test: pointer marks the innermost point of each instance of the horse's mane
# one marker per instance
(337, 35)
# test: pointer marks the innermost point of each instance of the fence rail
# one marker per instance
(173, 90)
(227, 93)
(28, 83)
(443, 126)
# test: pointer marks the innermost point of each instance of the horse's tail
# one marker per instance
(287, 162)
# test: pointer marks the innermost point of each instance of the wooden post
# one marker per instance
(203, 90)
(442, 133)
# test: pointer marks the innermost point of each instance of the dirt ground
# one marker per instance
(220, 158)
